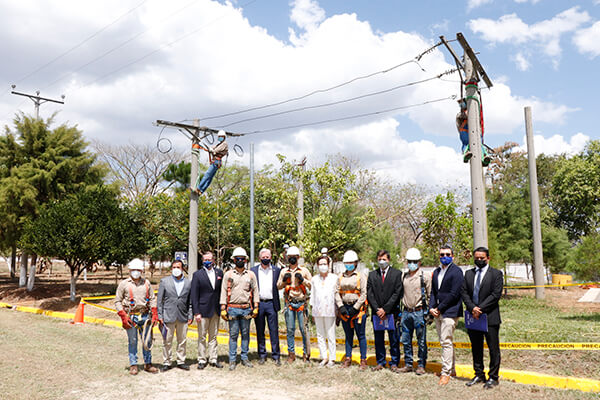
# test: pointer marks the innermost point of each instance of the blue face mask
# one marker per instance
(349, 267)
(445, 260)
(412, 267)
(220, 139)
(207, 264)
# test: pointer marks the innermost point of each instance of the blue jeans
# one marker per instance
(209, 175)
(359, 328)
(290, 323)
(414, 321)
(132, 336)
(380, 347)
(238, 323)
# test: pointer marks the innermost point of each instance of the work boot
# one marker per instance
(247, 363)
(133, 370)
(406, 368)
(467, 156)
(306, 358)
(232, 366)
(291, 358)
(420, 370)
(150, 368)
(347, 362)
(363, 364)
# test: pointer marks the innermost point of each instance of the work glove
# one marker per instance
(352, 311)
(344, 311)
(127, 323)
(299, 276)
(287, 277)
(255, 312)
(154, 315)
(224, 315)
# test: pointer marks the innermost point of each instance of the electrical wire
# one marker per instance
(448, 72)
(415, 60)
(349, 117)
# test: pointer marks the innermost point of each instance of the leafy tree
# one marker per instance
(179, 175)
(584, 261)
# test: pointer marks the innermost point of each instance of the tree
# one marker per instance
(84, 228)
(585, 258)
(178, 174)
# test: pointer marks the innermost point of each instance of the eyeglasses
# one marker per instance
(445, 254)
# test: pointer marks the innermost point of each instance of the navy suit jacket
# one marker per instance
(490, 292)
(276, 271)
(205, 299)
(447, 299)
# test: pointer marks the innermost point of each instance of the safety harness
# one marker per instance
(286, 296)
(363, 309)
(145, 329)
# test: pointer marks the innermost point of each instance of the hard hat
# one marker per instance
(239, 252)
(136, 263)
(221, 133)
(293, 251)
(286, 246)
(413, 254)
(324, 250)
(350, 256)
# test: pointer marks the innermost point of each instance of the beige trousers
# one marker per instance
(179, 329)
(210, 327)
(445, 330)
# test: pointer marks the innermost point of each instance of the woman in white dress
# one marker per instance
(322, 300)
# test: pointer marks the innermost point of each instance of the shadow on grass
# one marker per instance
(595, 317)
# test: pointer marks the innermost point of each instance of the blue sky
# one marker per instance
(183, 59)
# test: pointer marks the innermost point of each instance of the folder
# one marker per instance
(386, 324)
(480, 324)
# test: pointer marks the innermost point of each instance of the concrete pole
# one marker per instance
(251, 204)
(193, 237)
(480, 237)
(301, 209)
(534, 198)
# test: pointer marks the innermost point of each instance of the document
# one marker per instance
(480, 324)
(386, 324)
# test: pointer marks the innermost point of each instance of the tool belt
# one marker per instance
(246, 305)
(296, 304)
(407, 309)
(362, 310)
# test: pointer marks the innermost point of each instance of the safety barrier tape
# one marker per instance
(552, 285)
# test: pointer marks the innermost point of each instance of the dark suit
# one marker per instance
(386, 294)
(205, 298)
(447, 299)
(267, 311)
(490, 292)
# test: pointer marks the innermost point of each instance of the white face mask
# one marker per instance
(136, 274)
(383, 264)
(323, 268)
(176, 272)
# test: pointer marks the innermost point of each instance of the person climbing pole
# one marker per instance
(463, 132)
(215, 157)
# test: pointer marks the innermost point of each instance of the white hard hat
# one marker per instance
(413, 254)
(350, 256)
(324, 250)
(136, 263)
(293, 251)
(221, 133)
(286, 246)
(239, 252)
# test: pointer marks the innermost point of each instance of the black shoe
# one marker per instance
(261, 361)
(201, 365)
(475, 381)
(491, 383)
(232, 366)
(247, 363)
(165, 368)
(278, 362)
(216, 364)
(184, 367)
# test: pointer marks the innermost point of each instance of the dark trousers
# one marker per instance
(380, 347)
(359, 328)
(492, 339)
(266, 311)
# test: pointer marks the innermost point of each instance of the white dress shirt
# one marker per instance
(441, 275)
(265, 282)
(212, 276)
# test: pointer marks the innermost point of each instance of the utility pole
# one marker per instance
(37, 100)
(302, 166)
(534, 198)
(252, 204)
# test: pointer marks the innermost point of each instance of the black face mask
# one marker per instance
(240, 263)
(265, 261)
(293, 260)
(481, 263)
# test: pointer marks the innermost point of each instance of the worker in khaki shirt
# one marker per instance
(136, 305)
(350, 298)
(239, 304)
(295, 280)
(417, 286)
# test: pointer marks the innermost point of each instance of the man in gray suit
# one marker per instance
(174, 314)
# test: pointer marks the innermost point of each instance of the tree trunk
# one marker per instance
(13, 261)
(23, 271)
(31, 278)
(72, 287)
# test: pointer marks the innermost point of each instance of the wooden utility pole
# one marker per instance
(534, 198)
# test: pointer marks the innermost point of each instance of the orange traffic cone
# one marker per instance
(78, 315)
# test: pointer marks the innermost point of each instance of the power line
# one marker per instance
(349, 117)
(82, 42)
(415, 60)
(342, 101)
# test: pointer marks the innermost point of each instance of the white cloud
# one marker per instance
(545, 34)
(588, 40)
(307, 14)
(471, 4)
(522, 62)
(557, 144)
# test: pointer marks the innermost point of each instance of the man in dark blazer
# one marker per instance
(384, 291)
(206, 290)
(445, 305)
(481, 292)
(267, 275)
(174, 313)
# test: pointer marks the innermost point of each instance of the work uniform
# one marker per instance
(138, 308)
(217, 154)
(351, 291)
(239, 293)
(413, 316)
(296, 296)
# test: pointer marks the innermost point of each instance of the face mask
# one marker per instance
(240, 263)
(481, 263)
(383, 264)
(207, 264)
(265, 261)
(323, 268)
(445, 260)
(135, 274)
(412, 267)
(220, 139)
(176, 272)
(293, 260)
(349, 267)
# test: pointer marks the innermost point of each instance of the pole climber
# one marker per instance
(215, 157)
(463, 131)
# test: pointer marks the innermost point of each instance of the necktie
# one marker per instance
(382, 276)
(477, 285)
